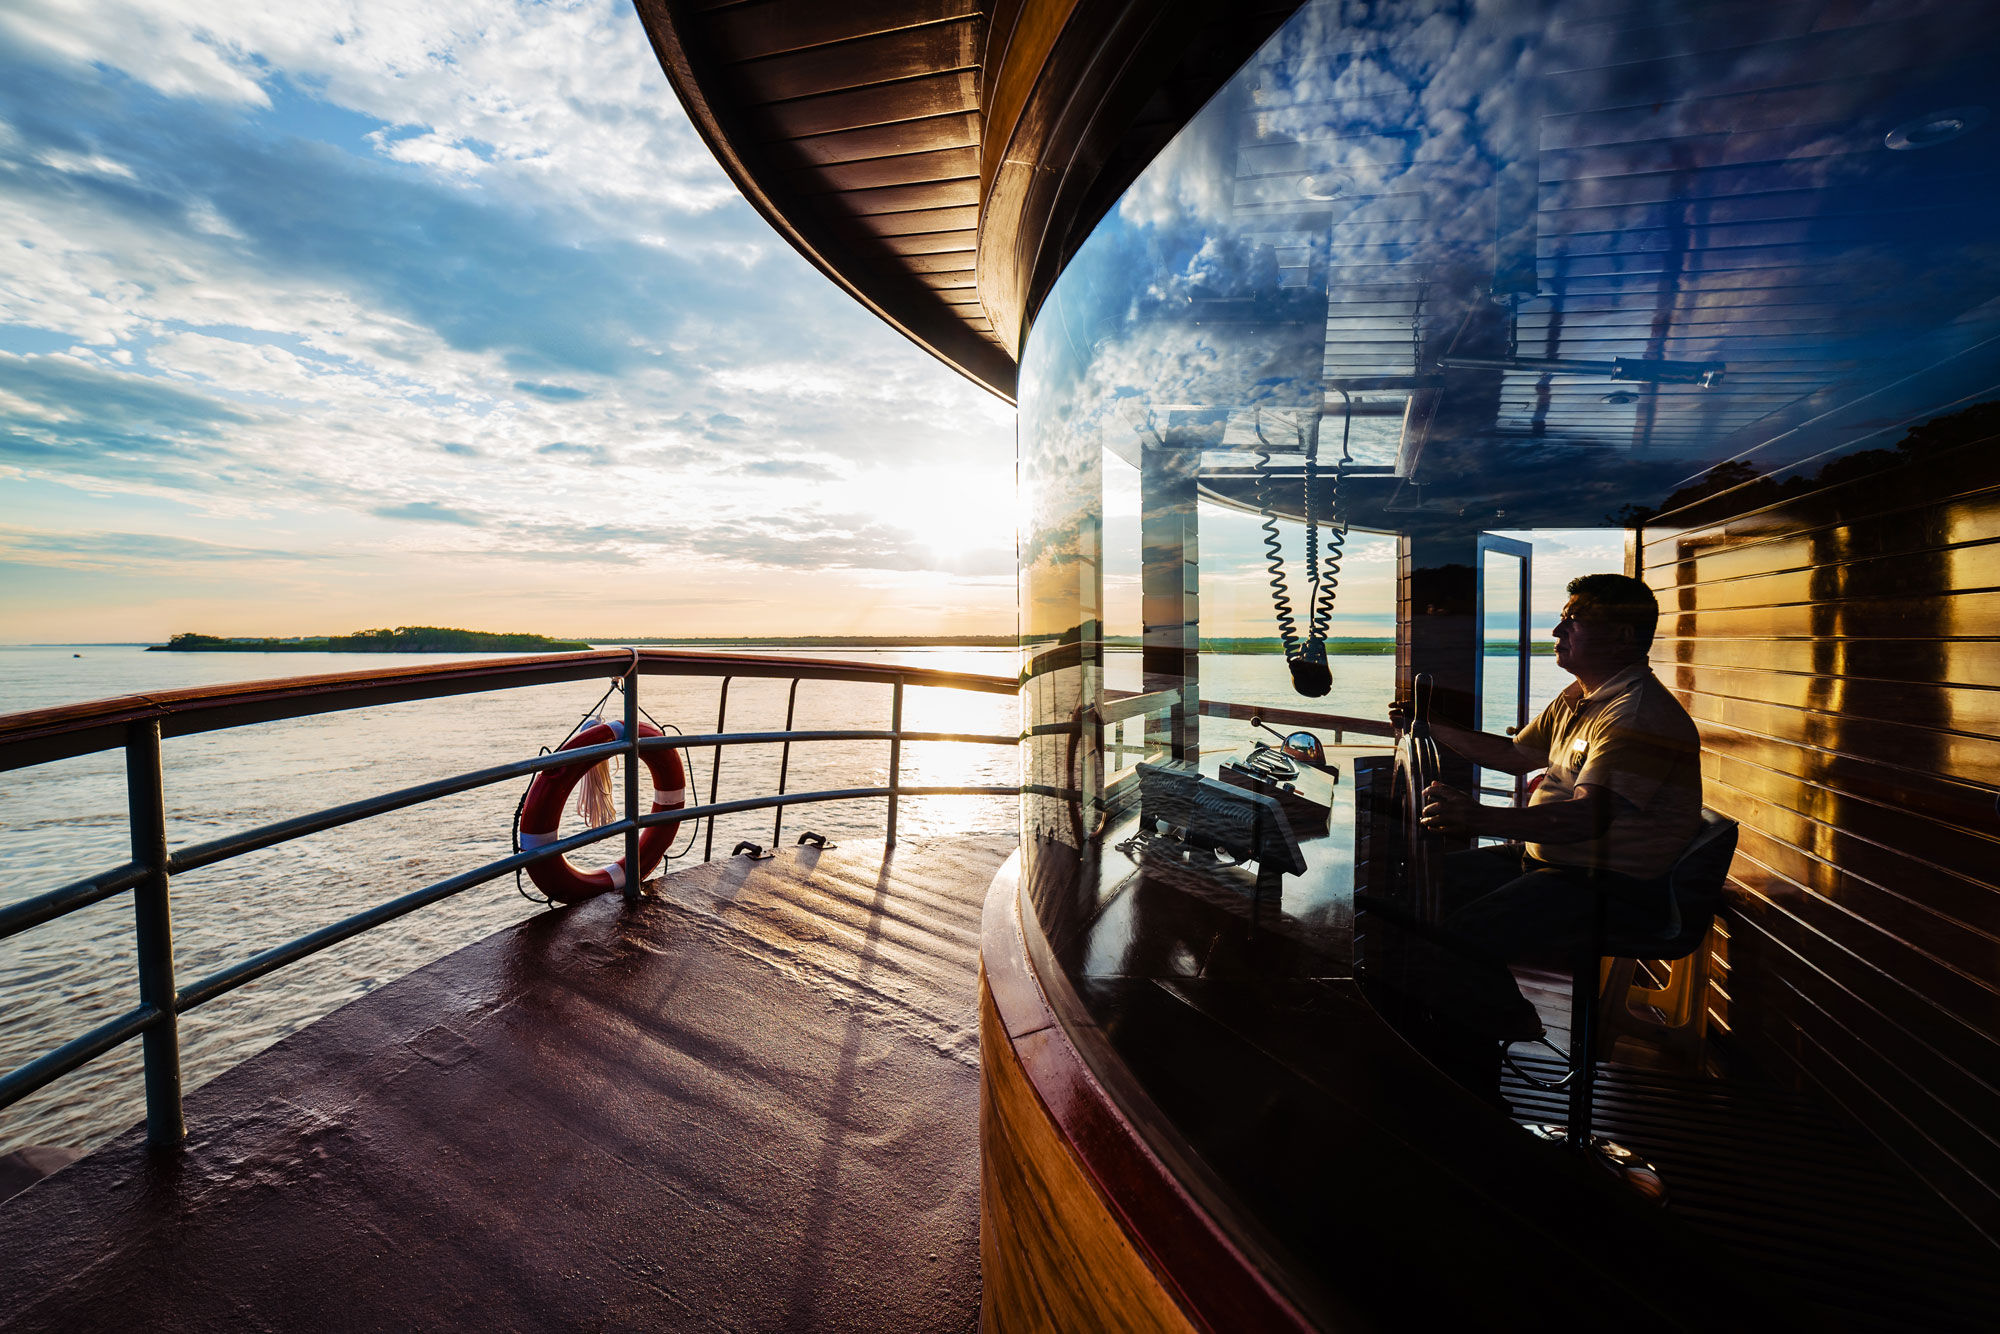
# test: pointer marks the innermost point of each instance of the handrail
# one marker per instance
(136, 723)
(1298, 718)
(40, 735)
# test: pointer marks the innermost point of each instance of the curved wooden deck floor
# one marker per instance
(750, 1104)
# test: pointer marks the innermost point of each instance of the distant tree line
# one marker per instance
(402, 639)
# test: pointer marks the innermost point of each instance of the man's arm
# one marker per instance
(1482, 748)
(1579, 819)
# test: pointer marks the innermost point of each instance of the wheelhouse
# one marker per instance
(1441, 287)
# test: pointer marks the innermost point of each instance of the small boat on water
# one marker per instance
(1714, 288)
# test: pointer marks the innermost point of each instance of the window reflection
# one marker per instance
(1522, 268)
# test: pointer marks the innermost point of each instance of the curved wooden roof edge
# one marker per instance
(940, 160)
(930, 328)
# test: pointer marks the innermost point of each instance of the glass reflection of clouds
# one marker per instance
(1509, 237)
(1545, 266)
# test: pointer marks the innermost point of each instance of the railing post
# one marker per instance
(784, 765)
(145, 797)
(633, 871)
(715, 767)
(895, 756)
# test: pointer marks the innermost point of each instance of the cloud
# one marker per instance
(808, 469)
(554, 393)
(59, 410)
(594, 454)
(101, 550)
(425, 511)
(456, 282)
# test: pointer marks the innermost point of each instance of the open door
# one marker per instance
(1505, 613)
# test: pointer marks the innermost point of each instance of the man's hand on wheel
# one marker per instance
(1399, 715)
(1448, 810)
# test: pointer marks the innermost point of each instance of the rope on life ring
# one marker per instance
(541, 815)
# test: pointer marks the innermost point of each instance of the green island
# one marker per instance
(402, 639)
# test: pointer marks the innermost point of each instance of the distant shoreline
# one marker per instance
(403, 639)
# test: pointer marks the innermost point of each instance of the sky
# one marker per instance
(324, 317)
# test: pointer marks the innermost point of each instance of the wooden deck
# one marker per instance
(750, 1104)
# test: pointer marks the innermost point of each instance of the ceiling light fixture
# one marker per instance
(1324, 187)
(1939, 127)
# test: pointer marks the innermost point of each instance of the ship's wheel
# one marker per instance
(1414, 852)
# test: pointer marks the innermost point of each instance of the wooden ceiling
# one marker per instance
(940, 159)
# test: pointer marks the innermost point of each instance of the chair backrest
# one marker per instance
(1696, 883)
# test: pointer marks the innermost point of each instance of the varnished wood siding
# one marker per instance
(1052, 1256)
(1838, 650)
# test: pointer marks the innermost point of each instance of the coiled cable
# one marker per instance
(1325, 572)
(1274, 554)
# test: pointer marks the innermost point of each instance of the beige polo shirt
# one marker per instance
(1632, 736)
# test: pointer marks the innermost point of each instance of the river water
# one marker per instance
(62, 821)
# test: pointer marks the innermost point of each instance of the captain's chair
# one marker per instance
(1695, 884)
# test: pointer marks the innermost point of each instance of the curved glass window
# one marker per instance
(1430, 310)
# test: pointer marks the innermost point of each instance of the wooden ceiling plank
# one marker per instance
(920, 221)
(953, 261)
(903, 198)
(860, 108)
(898, 55)
(778, 26)
(930, 243)
(908, 169)
(895, 140)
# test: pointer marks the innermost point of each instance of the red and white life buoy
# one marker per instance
(541, 814)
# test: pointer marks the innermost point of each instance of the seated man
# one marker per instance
(1621, 799)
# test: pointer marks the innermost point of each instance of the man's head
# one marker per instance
(1607, 625)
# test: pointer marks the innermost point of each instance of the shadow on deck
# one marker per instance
(750, 1104)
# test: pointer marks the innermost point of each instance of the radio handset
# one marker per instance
(1306, 658)
(1310, 674)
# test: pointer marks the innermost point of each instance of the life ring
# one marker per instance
(541, 814)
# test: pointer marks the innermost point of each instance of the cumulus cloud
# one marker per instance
(111, 551)
(455, 280)
(428, 511)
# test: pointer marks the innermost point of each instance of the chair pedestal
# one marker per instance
(1623, 1165)
(1695, 886)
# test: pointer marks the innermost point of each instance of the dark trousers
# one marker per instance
(1502, 907)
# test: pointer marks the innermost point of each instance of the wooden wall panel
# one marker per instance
(1838, 644)
(1042, 1224)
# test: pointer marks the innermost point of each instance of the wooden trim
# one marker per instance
(906, 306)
(1051, 1255)
(1083, 1225)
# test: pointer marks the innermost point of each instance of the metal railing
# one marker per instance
(137, 724)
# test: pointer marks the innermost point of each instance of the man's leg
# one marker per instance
(1462, 981)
